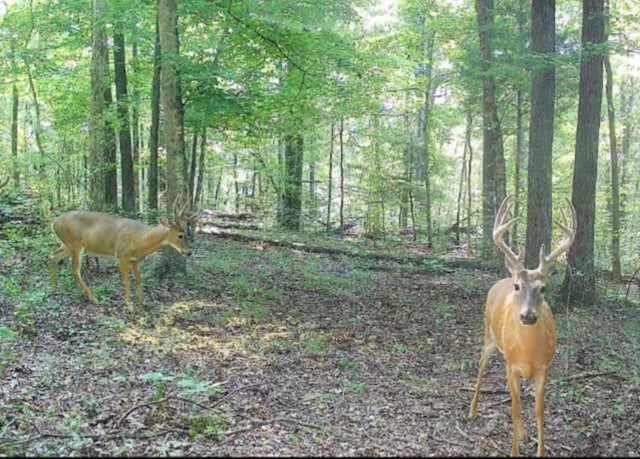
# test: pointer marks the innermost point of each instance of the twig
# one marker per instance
(93, 437)
(233, 392)
(484, 391)
(186, 400)
(137, 407)
(261, 423)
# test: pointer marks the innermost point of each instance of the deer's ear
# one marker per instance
(163, 221)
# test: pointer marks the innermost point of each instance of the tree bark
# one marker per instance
(580, 279)
(201, 165)
(341, 174)
(616, 268)
(173, 109)
(541, 131)
(110, 149)
(124, 130)
(330, 179)
(493, 167)
(97, 179)
(135, 130)
(292, 204)
(14, 136)
(192, 166)
(152, 173)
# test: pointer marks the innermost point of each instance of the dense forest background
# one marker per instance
(327, 116)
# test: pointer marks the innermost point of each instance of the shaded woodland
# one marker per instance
(334, 169)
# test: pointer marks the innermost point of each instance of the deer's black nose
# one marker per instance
(529, 318)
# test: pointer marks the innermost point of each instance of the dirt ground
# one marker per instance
(271, 351)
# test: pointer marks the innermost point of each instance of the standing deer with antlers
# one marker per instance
(519, 322)
(130, 241)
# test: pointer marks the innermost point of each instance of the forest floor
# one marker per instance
(264, 350)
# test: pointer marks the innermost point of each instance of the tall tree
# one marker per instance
(14, 135)
(616, 267)
(201, 166)
(124, 131)
(174, 118)
(110, 148)
(97, 179)
(543, 13)
(427, 39)
(292, 203)
(330, 179)
(580, 280)
(493, 167)
(155, 124)
(135, 129)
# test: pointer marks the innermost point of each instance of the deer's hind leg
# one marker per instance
(487, 352)
(76, 264)
(54, 259)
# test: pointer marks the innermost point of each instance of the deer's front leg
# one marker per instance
(124, 270)
(519, 433)
(540, 383)
(136, 272)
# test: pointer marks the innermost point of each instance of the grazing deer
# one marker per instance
(129, 241)
(519, 322)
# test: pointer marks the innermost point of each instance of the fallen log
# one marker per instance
(422, 261)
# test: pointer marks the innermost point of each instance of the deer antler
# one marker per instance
(547, 262)
(514, 262)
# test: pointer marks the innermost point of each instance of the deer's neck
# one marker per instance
(153, 240)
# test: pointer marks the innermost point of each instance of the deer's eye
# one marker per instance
(180, 236)
(516, 287)
(543, 289)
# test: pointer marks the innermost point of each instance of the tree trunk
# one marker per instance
(97, 129)
(470, 148)
(110, 149)
(312, 193)
(580, 280)
(192, 167)
(201, 164)
(616, 268)
(520, 153)
(517, 180)
(541, 131)
(427, 45)
(135, 131)
(330, 180)
(14, 136)
(124, 131)
(152, 173)
(38, 123)
(493, 168)
(292, 204)
(341, 174)
(174, 119)
(463, 171)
